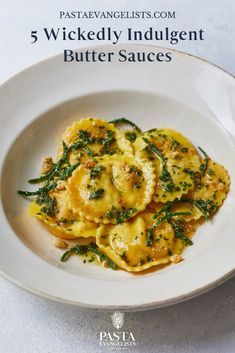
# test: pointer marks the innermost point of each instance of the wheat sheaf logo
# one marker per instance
(117, 319)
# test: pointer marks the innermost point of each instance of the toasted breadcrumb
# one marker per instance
(176, 258)
(221, 187)
(61, 185)
(89, 164)
(61, 244)
(47, 164)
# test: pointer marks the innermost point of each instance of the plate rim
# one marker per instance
(135, 307)
(51, 57)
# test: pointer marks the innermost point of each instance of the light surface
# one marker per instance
(202, 324)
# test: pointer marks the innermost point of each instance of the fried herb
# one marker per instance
(135, 170)
(210, 171)
(50, 204)
(109, 138)
(184, 149)
(84, 250)
(107, 141)
(195, 176)
(167, 216)
(85, 137)
(131, 136)
(120, 215)
(205, 206)
(165, 176)
(98, 194)
(170, 187)
(175, 144)
(81, 144)
(55, 169)
(88, 151)
(179, 231)
(40, 179)
(45, 189)
(204, 166)
(96, 171)
(67, 172)
(163, 209)
(125, 121)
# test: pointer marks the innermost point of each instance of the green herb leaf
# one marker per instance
(131, 136)
(204, 166)
(81, 144)
(39, 179)
(98, 194)
(67, 172)
(84, 249)
(168, 215)
(85, 137)
(165, 175)
(179, 232)
(88, 151)
(50, 204)
(120, 215)
(205, 206)
(163, 209)
(55, 169)
(75, 250)
(125, 121)
(103, 257)
(44, 189)
(96, 171)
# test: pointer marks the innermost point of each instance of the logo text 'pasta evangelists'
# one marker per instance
(120, 339)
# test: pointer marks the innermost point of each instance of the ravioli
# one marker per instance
(209, 194)
(111, 189)
(92, 137)
(65, 229)
(189, 228)
(139, 196)
(126, 245)
(173, 156)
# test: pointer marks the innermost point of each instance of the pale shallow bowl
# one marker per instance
(187, 94)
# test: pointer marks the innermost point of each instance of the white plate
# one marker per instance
(187, 94)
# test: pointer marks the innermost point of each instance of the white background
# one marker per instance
(30, 324)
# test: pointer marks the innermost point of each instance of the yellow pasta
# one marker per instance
(174, 157)
(65, 229)
(126, 245)
(208, 195)
(139, 196)
(111, 189)
(95, 136)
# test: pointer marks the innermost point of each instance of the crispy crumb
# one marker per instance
(121, 202)
(61, 244)
(192, 151)
(220, 187)
(189, 227)
(175, 154)
(61, 185)
(104, 264)
(176, 258)
(47, 164)
(89, 164)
